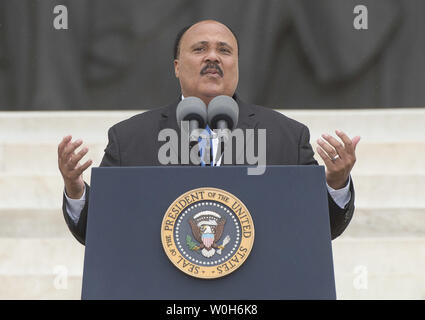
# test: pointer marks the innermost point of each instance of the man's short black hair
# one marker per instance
(178, 39)
(183, 31)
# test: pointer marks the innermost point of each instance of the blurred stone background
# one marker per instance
(293, 53)
(301, 57)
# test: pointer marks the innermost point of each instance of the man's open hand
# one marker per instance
(339, 157)
(70, 167)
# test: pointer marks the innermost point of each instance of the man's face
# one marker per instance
(207, 65)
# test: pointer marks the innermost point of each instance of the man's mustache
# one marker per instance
(212, 65)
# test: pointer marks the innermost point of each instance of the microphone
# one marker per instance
(223, 113)
(194, 111)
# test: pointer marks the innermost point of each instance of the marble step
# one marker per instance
(33, 223)
(387, 158)
(49, 127)
(373, 158)
(373, 191)
(386, 222)
(383, 268)
(388, 190)
(41, 256)
(41, 268)
(40, 287)
(35, 191)
(374, 125)
(369, 268)
(14, 157)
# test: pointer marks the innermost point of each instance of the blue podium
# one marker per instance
(125, 257)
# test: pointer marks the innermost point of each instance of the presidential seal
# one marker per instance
(207, 233)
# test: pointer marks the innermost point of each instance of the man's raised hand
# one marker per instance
(70, 167)
(339, 157)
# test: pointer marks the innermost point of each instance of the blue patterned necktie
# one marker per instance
(203, 146)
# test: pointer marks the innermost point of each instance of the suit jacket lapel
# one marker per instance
(247, 120)
(169, 121)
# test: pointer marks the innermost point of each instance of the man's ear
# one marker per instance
(176, 67)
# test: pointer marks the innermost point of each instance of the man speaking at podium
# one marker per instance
(206, 64)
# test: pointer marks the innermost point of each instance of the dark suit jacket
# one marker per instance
(134, 142)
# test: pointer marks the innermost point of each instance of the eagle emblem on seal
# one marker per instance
(207, 229)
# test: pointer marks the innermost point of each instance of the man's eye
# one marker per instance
(224, 50)
(198, 49)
